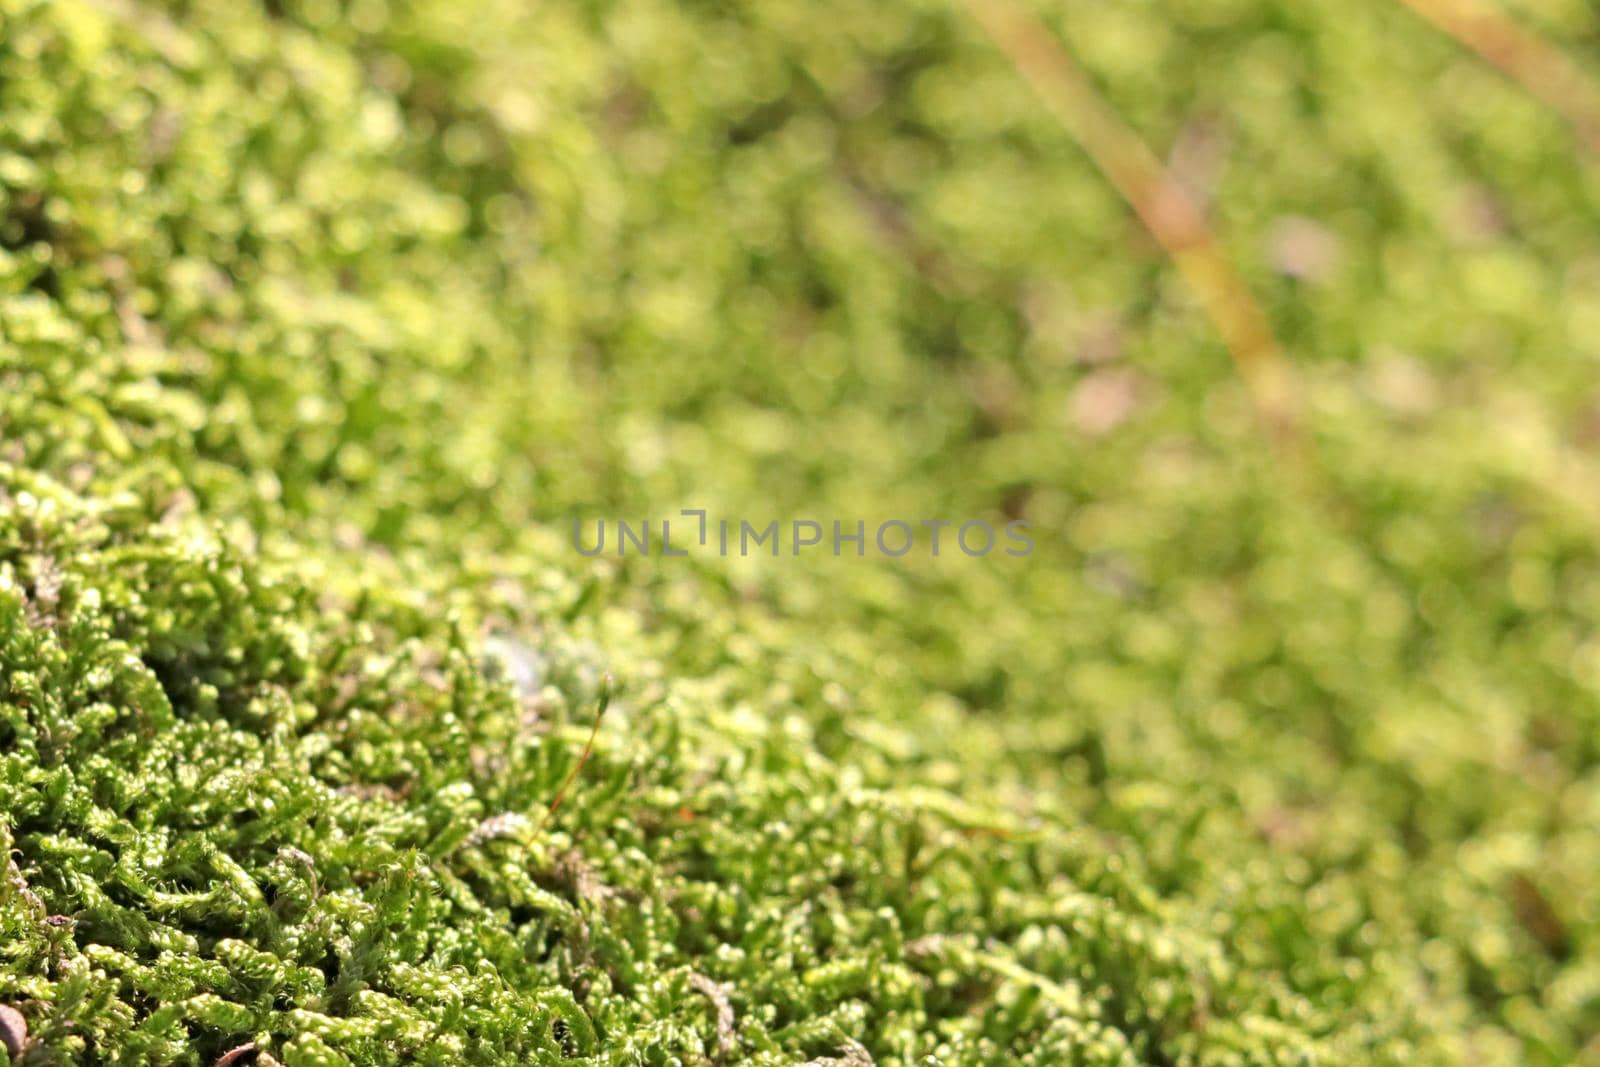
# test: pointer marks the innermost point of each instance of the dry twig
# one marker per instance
(1167, 210)
(588, 750)
(1536, 64)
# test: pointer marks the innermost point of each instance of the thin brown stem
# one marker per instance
(1536, 64)
(588, 750)
(1161, 202)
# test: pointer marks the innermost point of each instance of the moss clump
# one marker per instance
(322, 322)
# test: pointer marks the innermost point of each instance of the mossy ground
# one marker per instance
(322, 321)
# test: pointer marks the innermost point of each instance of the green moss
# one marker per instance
(321, 323)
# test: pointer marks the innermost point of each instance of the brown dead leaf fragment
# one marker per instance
(13, 1030)
(1104, 400)
(1303, 249)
